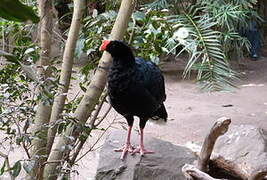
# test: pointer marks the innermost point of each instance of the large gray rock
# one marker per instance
(164, 164)
(245, 147)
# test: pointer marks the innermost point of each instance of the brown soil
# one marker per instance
(193, 112)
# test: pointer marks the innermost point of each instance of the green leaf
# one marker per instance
(79, 47)
(206, 52)
(27, 69)
(9, 57)
(61, 128)
(14, 10)
(138, 16)
(28, 166)
(2, 170)
(16, 169)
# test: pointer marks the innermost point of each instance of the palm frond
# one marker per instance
(245, 3)
(173, 5)
(206, 52)
(158, 4)
(231, 41)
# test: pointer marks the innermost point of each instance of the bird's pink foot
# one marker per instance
(124, 149)
(142, 151)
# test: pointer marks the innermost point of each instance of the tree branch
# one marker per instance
(94, 90)
(91, 148)
(23, 142)
(104, 116)
(99, 107)
(38, 150)
(66, 71)
(218, 129)
(191, 173)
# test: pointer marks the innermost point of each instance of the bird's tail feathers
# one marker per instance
(160, 116)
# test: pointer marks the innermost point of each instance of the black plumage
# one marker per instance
(136, 88)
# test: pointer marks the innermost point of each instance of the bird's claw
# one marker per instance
(142, 151)
(124, 149)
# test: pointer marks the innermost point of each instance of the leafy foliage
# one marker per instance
(16, 11)
(213, 29)
(208, 31)
(144, 30)
(206, 54)
(149, 28)
(18, 87)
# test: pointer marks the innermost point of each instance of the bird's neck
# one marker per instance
(125, 61)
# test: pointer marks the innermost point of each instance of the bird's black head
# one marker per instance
(117, 49)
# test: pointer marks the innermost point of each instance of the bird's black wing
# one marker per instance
(152, 79)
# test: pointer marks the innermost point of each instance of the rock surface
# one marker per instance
(164, 164)
(245, 146)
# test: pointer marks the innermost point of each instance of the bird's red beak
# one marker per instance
(104, 45)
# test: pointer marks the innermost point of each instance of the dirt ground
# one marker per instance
(192, 112)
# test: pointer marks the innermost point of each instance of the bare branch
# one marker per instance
(191, 173)
(48, 162)
(104, 116)
(218, 129)
(100, 104)
(23, 142)
(93, 125)
(92, 147)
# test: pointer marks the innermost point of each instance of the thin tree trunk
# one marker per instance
(93, 92)
(38, 150)
(66, 70)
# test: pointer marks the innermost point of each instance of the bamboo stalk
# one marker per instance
(38, 150)
(66, 71)
(93, 92)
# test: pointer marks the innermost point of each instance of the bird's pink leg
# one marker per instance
(127, 147)
(141, 149)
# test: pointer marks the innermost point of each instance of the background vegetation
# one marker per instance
(35, 79)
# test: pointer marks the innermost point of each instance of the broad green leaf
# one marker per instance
(28, 166)
(16, 169)
(27, 69)
(14, 10)
(79, 47)
(139, 16)
(9, 57)
(2, 170)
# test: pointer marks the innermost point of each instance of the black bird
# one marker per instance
(136, 88)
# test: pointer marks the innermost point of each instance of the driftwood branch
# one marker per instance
(229, 166)
(192, 173)
(219, 128)
(259, 174)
